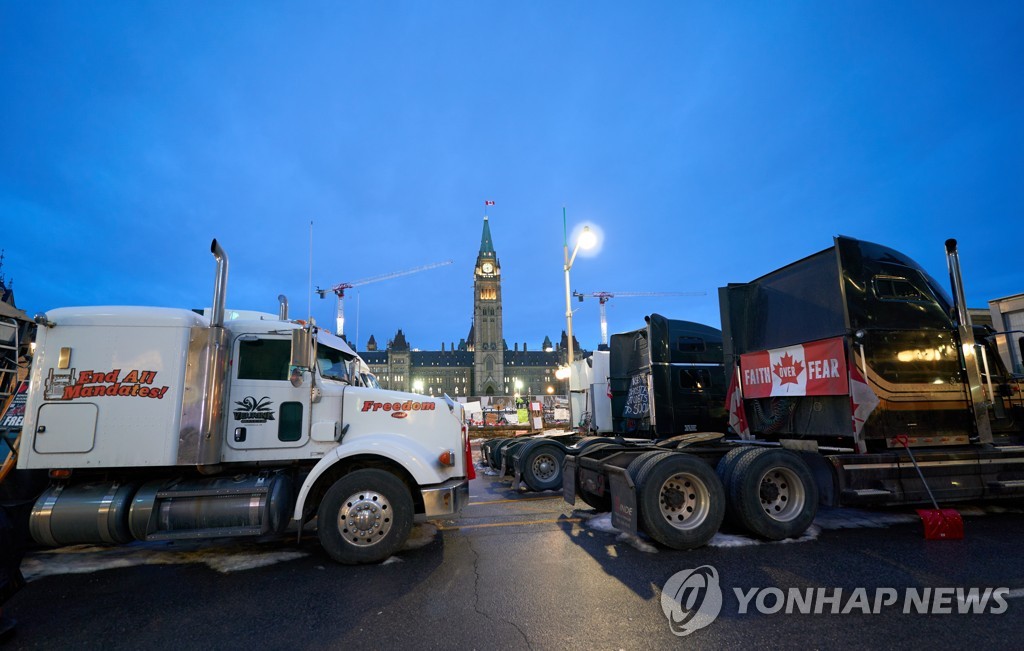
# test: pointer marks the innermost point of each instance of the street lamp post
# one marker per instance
(587, 239)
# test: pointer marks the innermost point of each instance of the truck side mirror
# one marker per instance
(302, 349)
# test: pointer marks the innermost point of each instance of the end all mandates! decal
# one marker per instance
(96, 384)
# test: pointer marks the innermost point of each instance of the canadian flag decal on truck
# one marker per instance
(813, 369)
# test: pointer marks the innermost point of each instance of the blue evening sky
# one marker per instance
(710, 142)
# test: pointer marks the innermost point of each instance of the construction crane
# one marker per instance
(603, 297)
(339, 289)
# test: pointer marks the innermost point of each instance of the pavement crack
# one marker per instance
(476, 595)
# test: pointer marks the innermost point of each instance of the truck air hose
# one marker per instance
(780, 410)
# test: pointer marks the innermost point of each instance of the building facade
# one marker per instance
(1008, 317)
(482, 363)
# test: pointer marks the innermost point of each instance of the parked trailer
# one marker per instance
(835, 362)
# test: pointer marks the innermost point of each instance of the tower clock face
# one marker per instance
(488, 268)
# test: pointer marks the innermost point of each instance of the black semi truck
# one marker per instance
(836, 364)
(664, 378)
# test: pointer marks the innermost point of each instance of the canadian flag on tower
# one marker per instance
(488, 203)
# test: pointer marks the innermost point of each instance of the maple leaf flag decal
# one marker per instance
(788, 370)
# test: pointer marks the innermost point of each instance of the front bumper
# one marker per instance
(445, 499)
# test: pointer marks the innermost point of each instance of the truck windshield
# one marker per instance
(333, 363)
(885, 255)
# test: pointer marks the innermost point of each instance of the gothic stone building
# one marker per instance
(481, 364)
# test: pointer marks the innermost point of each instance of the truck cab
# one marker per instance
(210, 423)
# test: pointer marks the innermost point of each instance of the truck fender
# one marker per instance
(416, 459)
(824, 476)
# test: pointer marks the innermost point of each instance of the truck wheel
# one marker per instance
(542, 468)
(773, 494)
(499, 453)
(365, 517)
(508, 452)
(725, 469)
(681, 501)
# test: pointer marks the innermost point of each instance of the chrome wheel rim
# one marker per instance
(782, 494)
(684, 501)
(365, 518)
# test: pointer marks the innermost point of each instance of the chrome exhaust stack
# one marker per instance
(211, 432)
(220, 285)
(202, 407)
(965, 329)
(282, 309)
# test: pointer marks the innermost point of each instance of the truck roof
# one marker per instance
(125, 315)
(852, 285)
(139, 316)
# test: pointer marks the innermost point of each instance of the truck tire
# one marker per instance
(508, 453)
(639, 468)
(773, 494)
(725, 469)
(681, 501)
(588, 441)
(542, 467)
(499, 454)
(365, 517)
(492, 445)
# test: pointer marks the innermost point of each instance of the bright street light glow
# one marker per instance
(588, 239)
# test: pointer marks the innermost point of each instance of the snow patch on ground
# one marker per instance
(735, 540)
(491, 472)
(421, 536)
(637, 542)
(84, 559)
(601, 522)
(222, 555)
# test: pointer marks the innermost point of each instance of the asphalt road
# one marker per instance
(517, 571)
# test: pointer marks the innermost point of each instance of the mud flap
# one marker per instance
(569, 480)
(624, 513)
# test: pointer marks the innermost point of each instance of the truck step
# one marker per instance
(219, 532)
(866, 495)
(1008, 486)
(212, 492)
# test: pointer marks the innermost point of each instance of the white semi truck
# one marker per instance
(160, 424)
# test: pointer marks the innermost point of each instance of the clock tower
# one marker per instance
(488, 342)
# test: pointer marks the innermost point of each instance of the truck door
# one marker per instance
(1002, 389)
(265, 410)
(914, 360)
